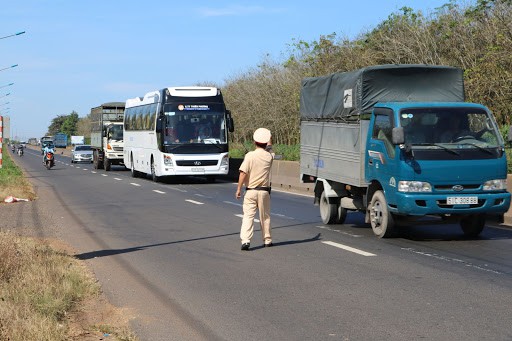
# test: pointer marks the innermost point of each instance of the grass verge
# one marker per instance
(46, 294)
(12, 181)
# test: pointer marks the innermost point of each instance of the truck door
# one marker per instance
(380, 158)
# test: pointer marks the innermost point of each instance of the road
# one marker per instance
(170, 253)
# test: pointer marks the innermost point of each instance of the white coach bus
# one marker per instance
(177, 131)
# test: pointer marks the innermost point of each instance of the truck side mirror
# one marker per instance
(397, 135)
(229, 121)
(159, 125)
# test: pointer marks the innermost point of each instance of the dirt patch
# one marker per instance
(95, 318)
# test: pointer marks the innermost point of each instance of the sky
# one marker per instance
(76, 55)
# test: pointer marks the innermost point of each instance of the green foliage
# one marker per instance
(475, 37)
(285, 152)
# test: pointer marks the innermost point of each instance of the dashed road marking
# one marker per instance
(342, 232)
(349, 248)
(93, 172)
(118, 179)
(452, 260)
(195, 202)
(134, 184)
(159, 192)
(241, 216)
(104, 175)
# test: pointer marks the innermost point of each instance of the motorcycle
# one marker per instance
(20, 152)
(49, 161)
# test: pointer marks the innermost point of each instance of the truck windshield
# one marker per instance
(194, 126)
(450, 127)
(116, 132)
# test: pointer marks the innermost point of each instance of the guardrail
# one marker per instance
(286, 176)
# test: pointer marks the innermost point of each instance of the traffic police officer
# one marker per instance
(255, 174)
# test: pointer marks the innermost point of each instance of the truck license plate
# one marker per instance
(461, 200)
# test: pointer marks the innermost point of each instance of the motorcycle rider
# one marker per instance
(20, 149)
(48, 149)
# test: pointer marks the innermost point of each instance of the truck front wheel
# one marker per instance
(107, 164)
(473, 225)
(380, 218)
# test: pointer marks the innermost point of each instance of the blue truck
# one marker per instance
(60, 140)
(400, 144)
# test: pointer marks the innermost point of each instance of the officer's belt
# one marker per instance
(259, 188)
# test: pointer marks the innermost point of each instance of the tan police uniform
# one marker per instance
(257, 167)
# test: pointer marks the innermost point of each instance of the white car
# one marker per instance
(81, 153)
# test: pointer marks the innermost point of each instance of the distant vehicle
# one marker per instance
(177, 131)
(60, 140)
(47, 138)
(107, 135)
(81, 153)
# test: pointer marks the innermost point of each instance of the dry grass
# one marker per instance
(46, 294)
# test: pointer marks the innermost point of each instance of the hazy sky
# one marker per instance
(76, 55)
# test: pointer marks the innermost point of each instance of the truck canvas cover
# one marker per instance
(344, 94)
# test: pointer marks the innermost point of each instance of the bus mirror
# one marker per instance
(230, 123)
(159, 123)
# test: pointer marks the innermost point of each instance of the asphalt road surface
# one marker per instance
(170, 253)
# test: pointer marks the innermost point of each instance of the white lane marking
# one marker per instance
(134, 184)
(241, 216)
(157, 191)
(342, 232)
(202, 196)
(349, 248)
(451, 260)
(104, 175)
(84, 168)
(282, 216)
(274, 214)
(177, 189)
(195, 202)
(93, 172)
(232, 203)
(118, 179)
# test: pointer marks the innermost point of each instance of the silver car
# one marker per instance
(81, 153)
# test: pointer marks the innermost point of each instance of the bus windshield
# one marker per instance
(196, 124)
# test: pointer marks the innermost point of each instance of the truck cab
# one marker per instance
(444, 159)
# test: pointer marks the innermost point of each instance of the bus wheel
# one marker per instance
(133, 171)
(473, 225)
(328, 211)
(154, 177)
(380, 218)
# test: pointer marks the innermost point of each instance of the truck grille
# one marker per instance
(118, 149)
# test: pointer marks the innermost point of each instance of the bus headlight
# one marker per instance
(414, 186)
(167, 160)
(495, 185)
(225, 161)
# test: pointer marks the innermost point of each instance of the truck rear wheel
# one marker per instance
(473, 225)
(328, 211)
(380, 218)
